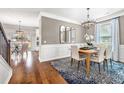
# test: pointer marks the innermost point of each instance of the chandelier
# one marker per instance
(19, 34)
(87, 24)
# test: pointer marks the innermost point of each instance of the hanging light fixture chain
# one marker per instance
(88, 14)
(19, 26)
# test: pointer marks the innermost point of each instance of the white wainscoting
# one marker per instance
(121, 53)
(55, 51)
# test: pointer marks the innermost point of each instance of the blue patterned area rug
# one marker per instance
(74, 76)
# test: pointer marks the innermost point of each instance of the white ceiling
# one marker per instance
(29, 16)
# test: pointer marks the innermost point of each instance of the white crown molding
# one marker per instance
(49, 15)
(114, 15)
(106, 17)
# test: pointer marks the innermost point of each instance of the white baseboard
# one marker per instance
(50, 59)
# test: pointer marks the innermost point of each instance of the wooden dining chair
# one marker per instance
(75, 56)
(16, 48)
(97, 48)
(100, 57)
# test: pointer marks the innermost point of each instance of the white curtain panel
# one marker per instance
(115, 39)
(97, 34)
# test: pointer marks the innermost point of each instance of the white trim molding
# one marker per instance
(113, 15)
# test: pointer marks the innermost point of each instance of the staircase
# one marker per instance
(4, 45)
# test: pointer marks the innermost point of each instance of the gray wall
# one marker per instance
(50, 30)
(122, 30)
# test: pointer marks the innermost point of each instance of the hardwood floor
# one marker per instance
(28, 70)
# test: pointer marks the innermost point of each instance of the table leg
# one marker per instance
(88, 66)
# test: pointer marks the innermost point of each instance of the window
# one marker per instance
(105, 33)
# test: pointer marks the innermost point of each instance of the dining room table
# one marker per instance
(88, 53)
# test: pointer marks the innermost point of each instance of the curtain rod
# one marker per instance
(107, 20)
